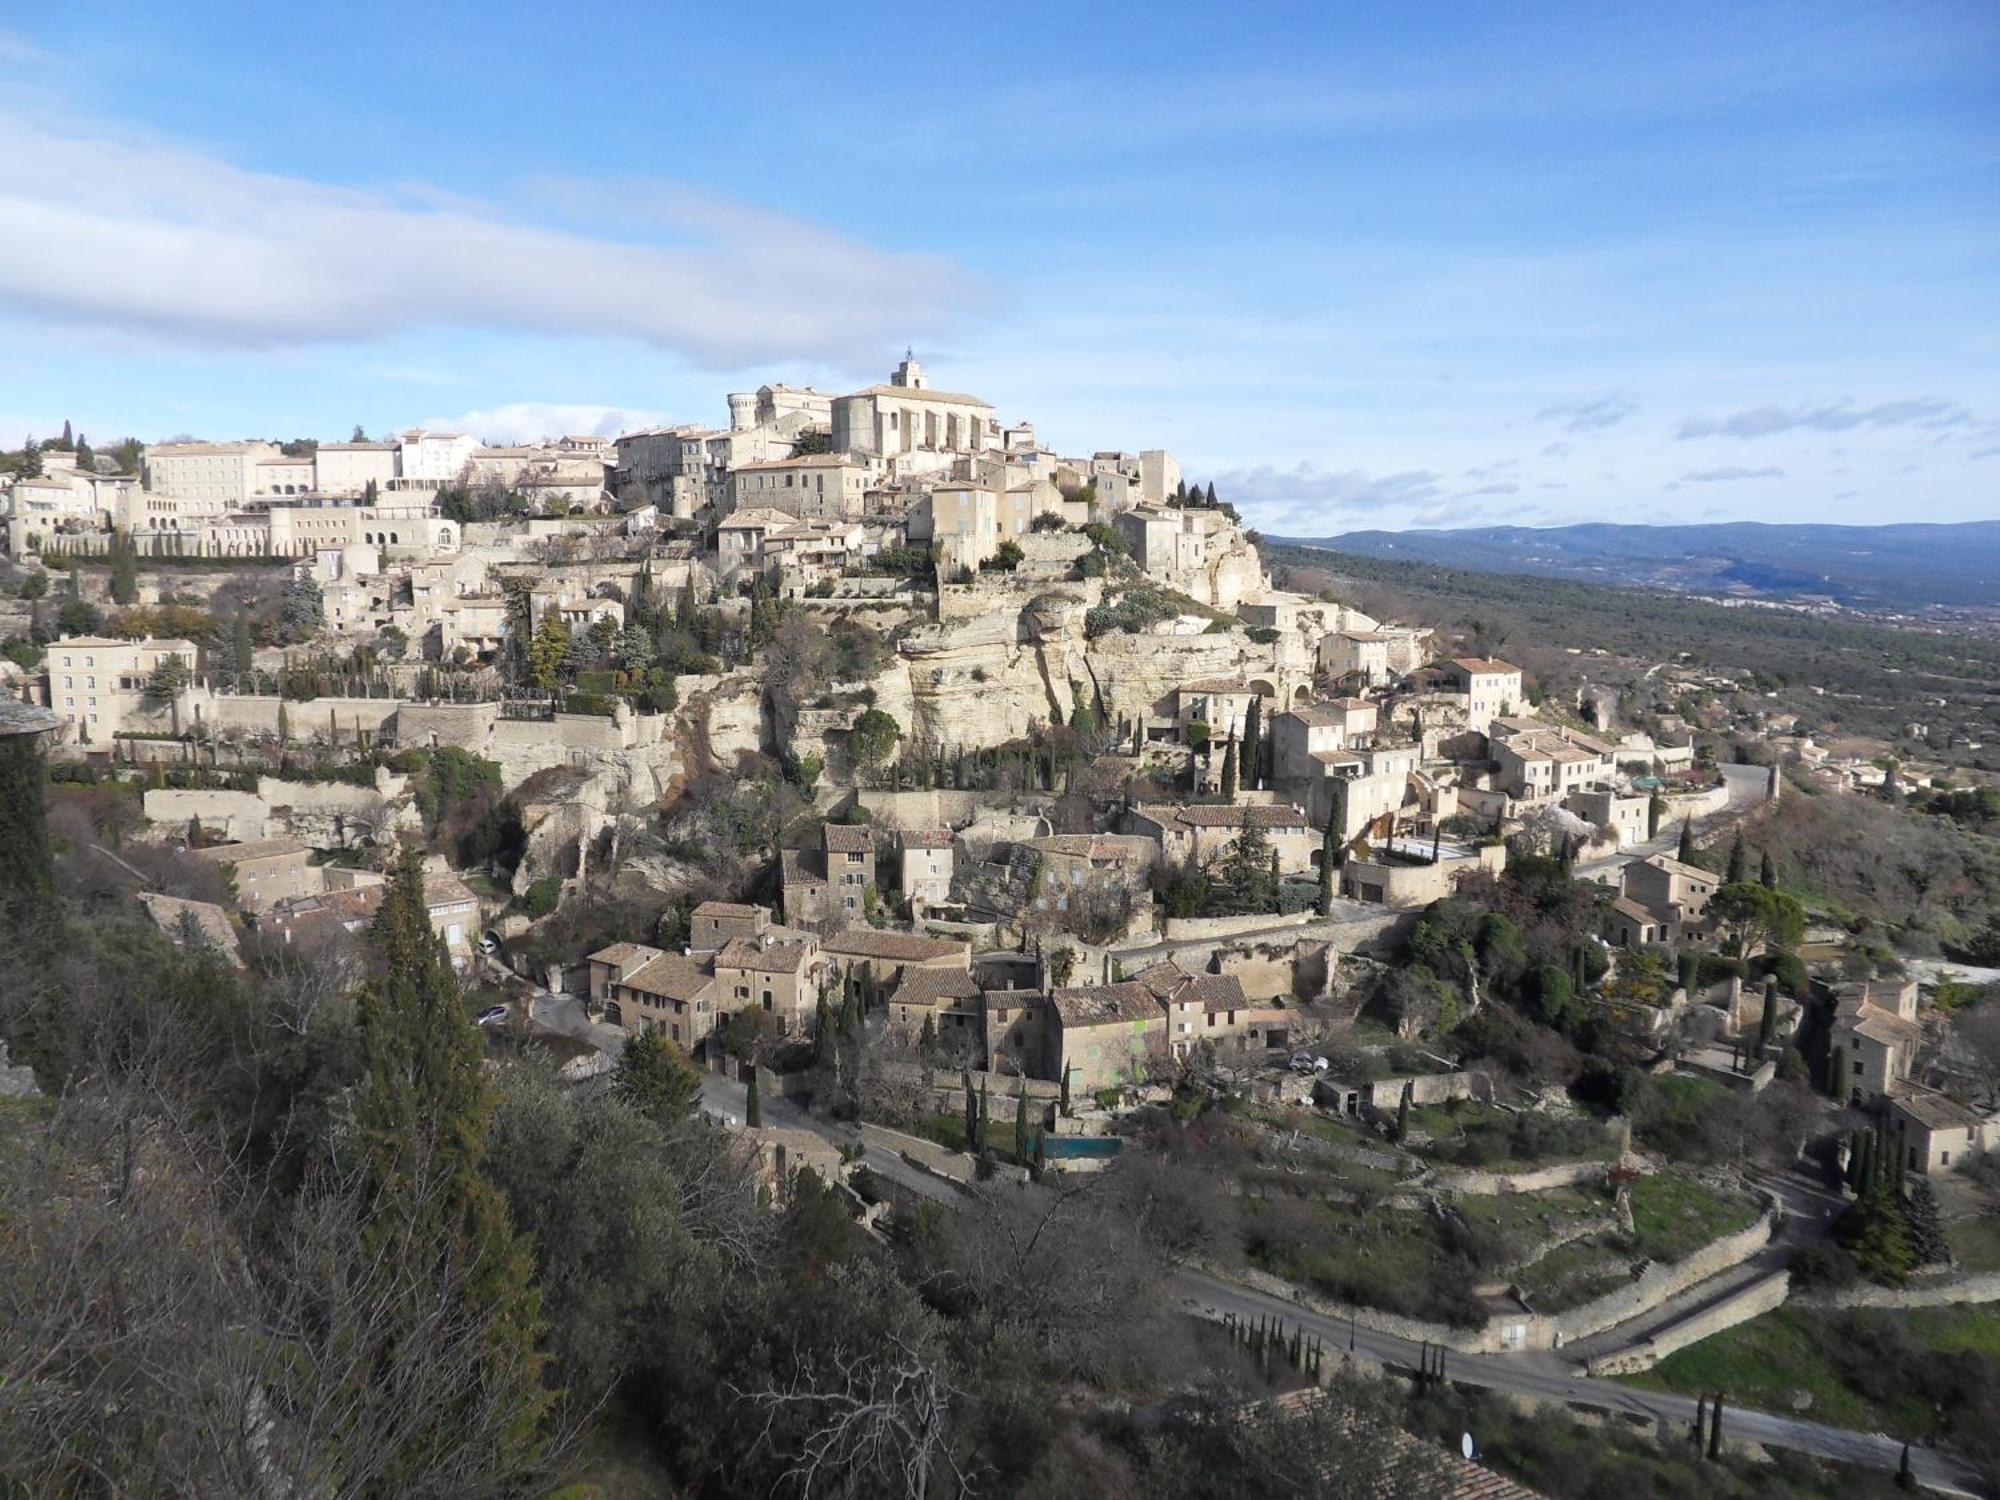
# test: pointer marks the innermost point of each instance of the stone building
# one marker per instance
(829, 884)
(98, 683)
(1204, 832)
(819, 486)
(267, 871)
(911, 427)
(219, 472)
(1106, 1035)
(1492, 688)
(1935, 1133)
(926, 865)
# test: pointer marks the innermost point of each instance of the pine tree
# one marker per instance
(1229, 769)
(753, 1103)
(1739, 863)
(420, 1117)
(655, 1077)
(547, 650)
(1685, 851)
(1925, 1224)
(1767, 1025)
(1767, 871)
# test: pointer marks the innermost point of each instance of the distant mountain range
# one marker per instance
(1902, 567)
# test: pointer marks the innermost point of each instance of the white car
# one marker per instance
(493, 1015)
(488, 946)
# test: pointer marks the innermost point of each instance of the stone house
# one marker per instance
(1299, 734)
(1627, 924)
(97, 683)
(643, 989)
(819, 486)
(1017, 1033)
(739, 539)
(1492, 688)
(1875, 1024)
(1211, 1009)
(1935, 1133)
(1207, 831)
(266, 871)
(1360, 656)
(1105, 1035)
(1222, 703)
(1410, 873)
(714, 923)
(926, 865)
(884, 957)
(829, 884)
(951, 1001)
(1092, 861)
(782, 1153)
(1664, 885)
(779, 972)
(1611, 812)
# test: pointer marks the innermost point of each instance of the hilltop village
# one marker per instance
(903, 774)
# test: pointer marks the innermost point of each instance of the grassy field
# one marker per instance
(1673, 1216)
(1976, 1242)
(1773, 1361)
(1573, 1274)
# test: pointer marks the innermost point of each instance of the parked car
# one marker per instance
(487, 945)
(491, 1016)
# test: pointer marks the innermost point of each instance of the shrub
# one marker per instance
(542, 896)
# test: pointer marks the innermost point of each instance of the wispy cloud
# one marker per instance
(1730, 472)
(1592, 415)
(1838, 416)
(1306, 498)
(144, 237)
(526, 421)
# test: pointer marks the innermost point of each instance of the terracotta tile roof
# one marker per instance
(919, 393)
(760, 955)
(926, 838)
(1935, 1111)
(1120, 848)
(800, 868)
(1225, 815)
(210, 920)
(620, 954)
(236, 854)
(929, 987)
(671, 976)
(726, 909)
(1483, 664)
(847, 838)
(1887, 1028)
(1217, 992)
(904, 947)
(1216, 685)
(1106, 1004)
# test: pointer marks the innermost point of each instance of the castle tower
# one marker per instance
(742, 411)
(909, 374)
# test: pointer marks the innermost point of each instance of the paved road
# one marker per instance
(1209, 1297)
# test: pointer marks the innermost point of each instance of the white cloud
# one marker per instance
(527, 421)
(1593, 415)
(1838, 416)
(1308, 500)
(136, 235)
(1729, 472)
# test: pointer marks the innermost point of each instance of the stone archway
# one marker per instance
(1263, 687)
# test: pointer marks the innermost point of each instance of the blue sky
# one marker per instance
(1377, 265)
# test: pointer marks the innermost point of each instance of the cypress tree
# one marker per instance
(983, 1112)
(1329, 863)
(1021, 1122)
(1229, 769)
(1858, 1152)
(27, 872)
(1403, 1109)
(971, 1113)
(1925, 1225)
(753, 1102)
(1065, 1088)
(1715, 1428)
(1739, 862)
(1767, 1026)
(1906, 1479)
(1767, 871)
(1684, 852)
(419, 1132)
(1252, 750)
(1837, 1082)
(1700, 1421)
(1655, 805)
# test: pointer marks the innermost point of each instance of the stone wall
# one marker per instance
(1498, 1184)
(1193, 929)
(940, 808)
(1660, 1281)
(241, 816)
(1739, 1306)
(1941, 1291)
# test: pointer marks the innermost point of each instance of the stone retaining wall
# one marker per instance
(1658, 1282)
(1498, 1184)
(1942, 1291)
(1740, 1306)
